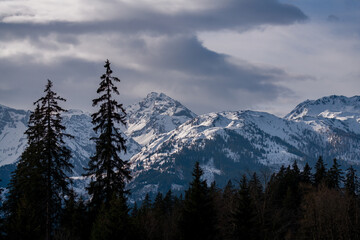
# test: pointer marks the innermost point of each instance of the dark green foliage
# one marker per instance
(245, 215)
(198, 216)
(74, 219)
(306, 176)
(55, 155)
(113, 221)
(40, 182)
(285, 192)
(351, 182)
(320, 172)
(225, 211)
(108, 171)
(25, 215)
(334, 176)
(290, 206)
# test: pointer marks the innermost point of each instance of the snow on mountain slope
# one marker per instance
(227, 143)
(154, 115)
(336, 118)
(259, 128)
(332, 107)
(13, 124)
(332, 112)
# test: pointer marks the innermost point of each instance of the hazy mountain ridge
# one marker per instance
(165, 139)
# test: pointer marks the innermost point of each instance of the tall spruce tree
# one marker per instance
(351, 182)
(24, 212)
(305, 175)
(56, 155)
(198, 215)
(40, 182)
(320, 172)
(244, 218)
(335, 175)
(108, 171)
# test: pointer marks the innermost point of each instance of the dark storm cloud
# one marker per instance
(180, 65)
(187, 55)
(193, 72)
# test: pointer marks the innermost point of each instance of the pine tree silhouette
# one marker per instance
(108, 171)
(40, 181)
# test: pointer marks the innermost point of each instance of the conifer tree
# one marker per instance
(113, 221)
(55, 155)
(257, 196)
(108, 171)
(320, 172)
(305, 175)
(245, 221)
(225, 211)
(40, 182)
(351, 182)
(74, 219)
(198, 215)
(168, 201)
(334, 176)
(146, 204)
(24, 214)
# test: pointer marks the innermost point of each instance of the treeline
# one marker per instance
(294, 204)
(40, 203)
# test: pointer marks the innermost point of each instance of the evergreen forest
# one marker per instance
(40, 203)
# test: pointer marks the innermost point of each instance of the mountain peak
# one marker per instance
(161, 104)
(334, 106)
(154, 115)
(154, 95)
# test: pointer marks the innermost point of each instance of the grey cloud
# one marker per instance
(234, 14)
(23, 81)
(183, 68)
(187, 55)
(180, 66)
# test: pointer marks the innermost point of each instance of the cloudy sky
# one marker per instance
(211, 55)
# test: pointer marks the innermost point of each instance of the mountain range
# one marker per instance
(165, 139)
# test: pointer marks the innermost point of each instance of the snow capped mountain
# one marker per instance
(207, 127)
(154, 115)
(13, 124)
(228, 143)
(165, 139)
(225, 144)
(332, 107)
(337, 119)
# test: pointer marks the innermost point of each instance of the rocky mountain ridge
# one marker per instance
(165, 139)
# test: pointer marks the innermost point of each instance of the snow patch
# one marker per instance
(232, 155)
(176, 187)
(210, 170)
